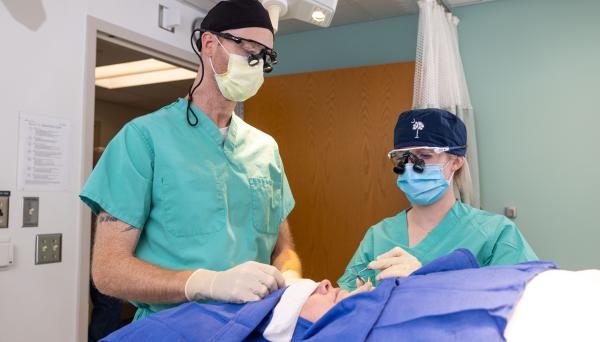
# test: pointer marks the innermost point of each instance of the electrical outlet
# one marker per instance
(31, 211)
(510, 212)
(4, 207)
(48, 248)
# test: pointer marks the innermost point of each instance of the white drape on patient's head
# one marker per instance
(286, 313)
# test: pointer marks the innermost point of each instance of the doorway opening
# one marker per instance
(131, 81)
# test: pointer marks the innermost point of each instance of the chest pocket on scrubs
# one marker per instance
(193, 205)
(266, 205)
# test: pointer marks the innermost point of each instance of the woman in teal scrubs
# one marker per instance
(429, 158)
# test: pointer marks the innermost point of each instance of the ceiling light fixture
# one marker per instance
(318, 16)
(317, 12)
(147, 71)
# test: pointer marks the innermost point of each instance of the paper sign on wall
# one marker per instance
(44, 144)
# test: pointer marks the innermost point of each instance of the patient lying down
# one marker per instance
(450, 299)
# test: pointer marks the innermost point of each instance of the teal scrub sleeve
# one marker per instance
(511, 247)
(121, 182)
(287, 199)
(362, 257)
(288, 202)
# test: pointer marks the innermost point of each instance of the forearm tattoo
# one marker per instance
(126, 229)
(108, 218)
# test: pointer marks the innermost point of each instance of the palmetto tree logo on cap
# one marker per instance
(417, 126)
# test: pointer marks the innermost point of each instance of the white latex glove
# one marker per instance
(361, 286)
(291, 277)
(243, 283)
(395, 263)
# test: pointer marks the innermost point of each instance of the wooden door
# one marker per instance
(334, 129)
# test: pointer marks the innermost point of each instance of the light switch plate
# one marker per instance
(4, 208)
(48, 248)
(6, 252)
(31, 211)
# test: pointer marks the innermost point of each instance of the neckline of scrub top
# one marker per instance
(442, 228)
(208, 126)
(224, 131)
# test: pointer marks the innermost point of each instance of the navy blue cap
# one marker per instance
(431, 127)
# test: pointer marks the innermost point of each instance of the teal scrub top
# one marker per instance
(198, 201)
(492, 238)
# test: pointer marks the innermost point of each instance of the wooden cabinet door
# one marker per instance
(334, 129)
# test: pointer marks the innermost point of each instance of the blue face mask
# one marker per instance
(423, 188)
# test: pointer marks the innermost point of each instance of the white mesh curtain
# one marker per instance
(440, 78)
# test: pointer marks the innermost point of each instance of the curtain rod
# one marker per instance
(443, 4)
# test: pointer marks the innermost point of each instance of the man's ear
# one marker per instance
(208, 43)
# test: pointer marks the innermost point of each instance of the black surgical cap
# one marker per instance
(236, 14)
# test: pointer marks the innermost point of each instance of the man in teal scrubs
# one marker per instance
(429, 158)
(192, 202)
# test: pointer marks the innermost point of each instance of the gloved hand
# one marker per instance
(361, 286)
(395, 263)
(291, 277)
(249, 281)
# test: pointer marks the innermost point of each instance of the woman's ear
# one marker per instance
(458, 163)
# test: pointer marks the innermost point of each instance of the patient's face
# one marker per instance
(323, 299)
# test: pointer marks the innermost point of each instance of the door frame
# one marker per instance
(97, 28)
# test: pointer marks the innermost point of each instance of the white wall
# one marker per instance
(141, 16)
(532, 70)
(45, 69)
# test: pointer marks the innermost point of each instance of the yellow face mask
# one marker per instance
(241, 81)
